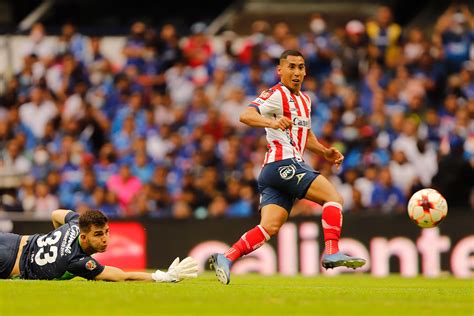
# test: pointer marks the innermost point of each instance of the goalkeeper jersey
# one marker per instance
(58, 255)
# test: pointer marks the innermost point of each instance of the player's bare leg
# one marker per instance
(272, 218)
(323, 192)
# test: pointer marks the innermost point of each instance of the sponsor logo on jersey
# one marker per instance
(69, 237)
(300, 176)
(91, 265)
(287, 172)
(301, 122)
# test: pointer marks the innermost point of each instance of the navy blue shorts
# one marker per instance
(9, 244)
(282, 182)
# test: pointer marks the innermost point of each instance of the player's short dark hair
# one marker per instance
(91, 217)
(290, 52)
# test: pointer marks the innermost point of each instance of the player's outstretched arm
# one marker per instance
(177, 271)
(251, 117)
(116, 275)
(58, 217)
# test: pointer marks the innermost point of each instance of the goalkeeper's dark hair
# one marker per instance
(290, 52)
(91, 217)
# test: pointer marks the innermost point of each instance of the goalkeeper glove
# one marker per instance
(177, 271)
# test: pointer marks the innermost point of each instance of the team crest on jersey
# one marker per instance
(287, 172)
(91, 265)
(266, 94)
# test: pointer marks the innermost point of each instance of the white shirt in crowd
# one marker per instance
(403, 175)
(36, 117)
(426, 163)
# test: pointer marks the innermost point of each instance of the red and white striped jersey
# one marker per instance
(277, 102)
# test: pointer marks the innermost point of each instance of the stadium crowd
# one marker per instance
(160, 135)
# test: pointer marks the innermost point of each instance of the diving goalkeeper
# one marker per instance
(66, 252)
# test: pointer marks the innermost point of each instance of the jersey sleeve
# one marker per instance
(85, 267)
(71, 216)
(268, 102)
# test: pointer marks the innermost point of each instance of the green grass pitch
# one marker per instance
(246, 295)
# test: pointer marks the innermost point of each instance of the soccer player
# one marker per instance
(66, 252)
(285, 113)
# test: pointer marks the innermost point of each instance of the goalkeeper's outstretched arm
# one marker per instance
(116, 275)
(58, 217)
(178, 271)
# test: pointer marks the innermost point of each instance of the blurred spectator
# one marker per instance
(403, 173)
(432, 74)
(42, 165)
(198, 109)
(454, 31)
(134, 49)
(320, 47)
(45, 203)
(85, 193)
(37, 113)
(418, 152)
(387, 197)
(141, 167)
(163, 111)
(366, 184)
(197, 47)
(281, 31)
(160, 194)
(73, 42)
(30, 75)
(96, 61)
(181, 210)
(415, 46)
(455, 176)
(373, 82)
(353, 52)
(159, 143)
(179, 82)
(168, 47)
(63, 76)
(74, 106)
(217, 207)
(255, 43)
(252, 80)
(53, 180)
(106, 165)
(124, 138)
(125, 186)
(384, 36)
(467, 80)
(239, 199)
(11, 96)
(219, 88)
(346, 188)
(6, 133)
(39, 45)
(206, 186)
(13, 161)
(215, 124)
(227, 57)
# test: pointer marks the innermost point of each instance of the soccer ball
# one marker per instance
(427, 208)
